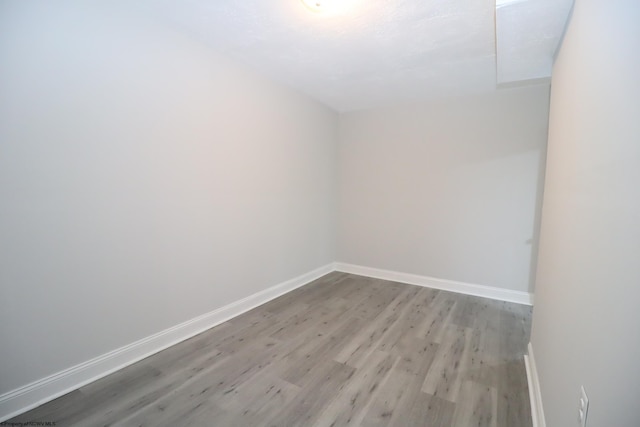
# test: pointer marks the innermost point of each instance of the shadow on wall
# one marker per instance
(535, 239)
(489, 217)
(450, 190)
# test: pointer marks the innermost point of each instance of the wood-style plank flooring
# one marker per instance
(344, 350)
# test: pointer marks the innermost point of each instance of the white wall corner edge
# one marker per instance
(23, 399)
(535, 395)
(500, 294)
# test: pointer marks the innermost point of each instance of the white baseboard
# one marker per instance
(46, 389)
(500, 294)
(535, 396)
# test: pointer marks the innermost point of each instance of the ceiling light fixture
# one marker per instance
(330, 7)
(315, 5)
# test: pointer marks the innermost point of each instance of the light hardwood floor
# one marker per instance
(344, 350)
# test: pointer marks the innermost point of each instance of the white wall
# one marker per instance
(448, 190)
(143, 182)
(586, 321)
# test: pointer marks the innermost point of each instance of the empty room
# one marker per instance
(320, 213)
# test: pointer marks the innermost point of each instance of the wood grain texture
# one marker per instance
(344, 350)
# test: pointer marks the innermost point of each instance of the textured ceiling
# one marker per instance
(527, 35)
(366, 53)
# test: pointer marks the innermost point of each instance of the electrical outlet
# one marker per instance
(583, 407)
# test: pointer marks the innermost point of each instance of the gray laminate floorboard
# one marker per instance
(344, 350)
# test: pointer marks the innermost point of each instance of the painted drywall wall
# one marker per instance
(448, 190)
(143, 181)
(586, 317)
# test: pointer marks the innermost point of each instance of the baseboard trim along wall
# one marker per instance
(500, 294)
(44, 390)
(535, 396)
